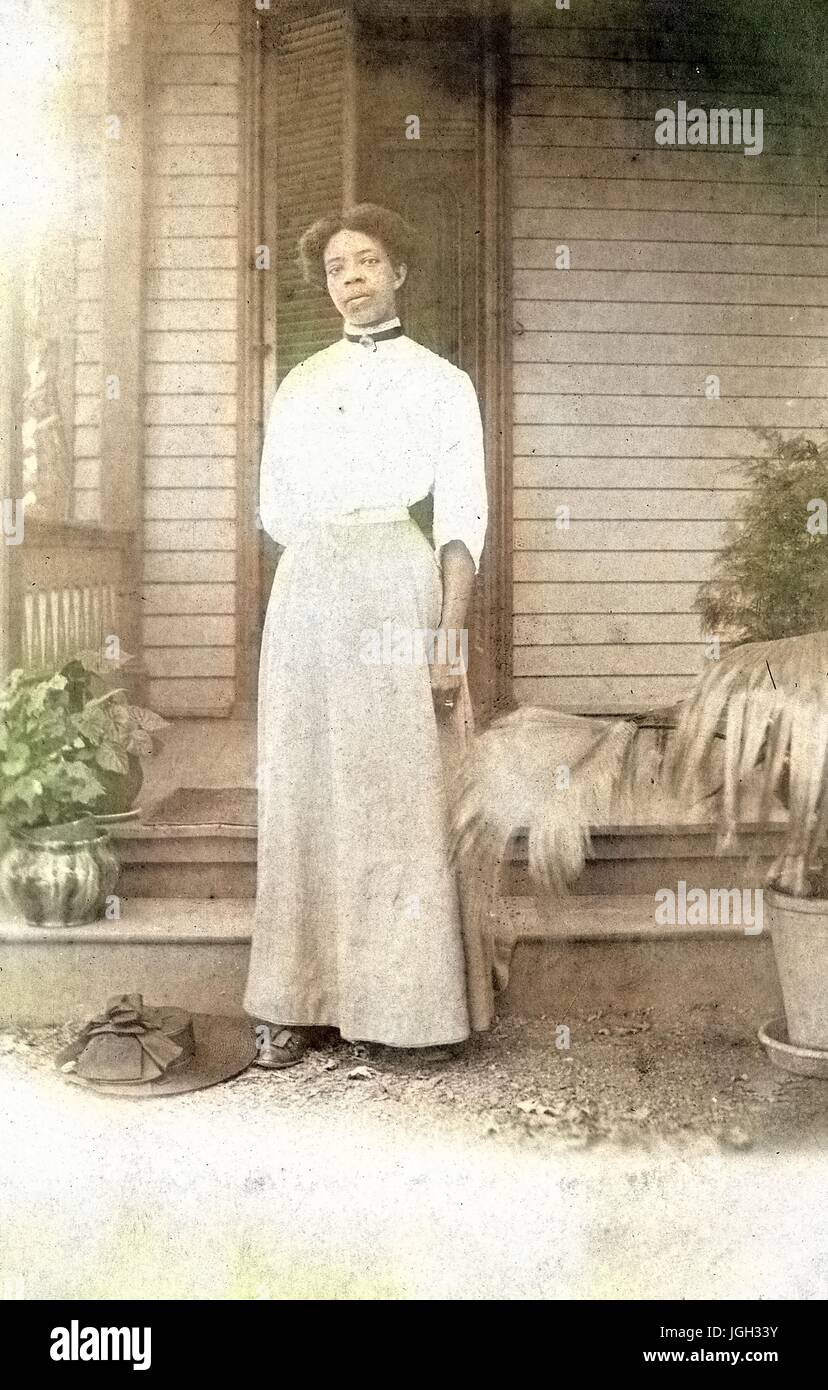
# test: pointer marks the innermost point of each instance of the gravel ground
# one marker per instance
(620, 1081)
(641, 1162)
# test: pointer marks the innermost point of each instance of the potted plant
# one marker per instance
(57, 746)
(125, 731)
(771, 694)
(756, 721)
(773, 697)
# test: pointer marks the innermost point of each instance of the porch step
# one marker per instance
(577, 955)
(171, 950)
(219, 861)
(572, 957)
(186, 861)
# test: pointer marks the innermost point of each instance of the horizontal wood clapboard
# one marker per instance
(613, 256)
(712, 350)
(642, 474)
(192, 258)
(627, 193)
(619, 503)
(685, 263)
(599, 601)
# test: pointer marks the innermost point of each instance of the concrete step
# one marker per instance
(571, 958)
(219, 861)
(583, 953)
(186, 861)
(173, 951)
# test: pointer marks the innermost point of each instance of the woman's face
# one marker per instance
(362, 282)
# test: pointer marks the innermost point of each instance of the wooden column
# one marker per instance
(7, 446)
(350, 113)
(254, 346)
(122, 430)
(495, 610)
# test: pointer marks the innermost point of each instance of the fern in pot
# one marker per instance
(765, 704)
(770, 693)
(58, 745)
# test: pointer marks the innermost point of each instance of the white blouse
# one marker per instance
(355, 426)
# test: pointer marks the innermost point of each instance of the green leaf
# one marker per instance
(16, 761)
(112, 759)
(81, 786)
(25, 789)
(147, 719)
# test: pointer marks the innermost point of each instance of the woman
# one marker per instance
(357, 923)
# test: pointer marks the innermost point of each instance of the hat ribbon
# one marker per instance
(125, 1018)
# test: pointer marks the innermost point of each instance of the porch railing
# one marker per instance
(72, 594)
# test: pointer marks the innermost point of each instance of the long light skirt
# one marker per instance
(357, 921)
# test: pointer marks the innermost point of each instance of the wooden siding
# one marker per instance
(684, 262)
(191, 350)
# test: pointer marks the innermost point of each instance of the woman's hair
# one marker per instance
(392, 231)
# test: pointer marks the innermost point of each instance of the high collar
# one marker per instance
(359, 329)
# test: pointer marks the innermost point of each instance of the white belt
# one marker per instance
(370, 515)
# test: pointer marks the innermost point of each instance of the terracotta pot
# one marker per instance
(59, 875)
(799, 928)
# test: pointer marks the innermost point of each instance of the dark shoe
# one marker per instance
(282, 1047)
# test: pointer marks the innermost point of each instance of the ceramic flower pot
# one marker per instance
(59, 875)
(799, 927)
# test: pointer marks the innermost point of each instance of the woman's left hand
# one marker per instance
(448, 651)
(446, 677)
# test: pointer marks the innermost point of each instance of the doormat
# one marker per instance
(205, 806)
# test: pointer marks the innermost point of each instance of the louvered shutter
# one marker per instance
(310, 59)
